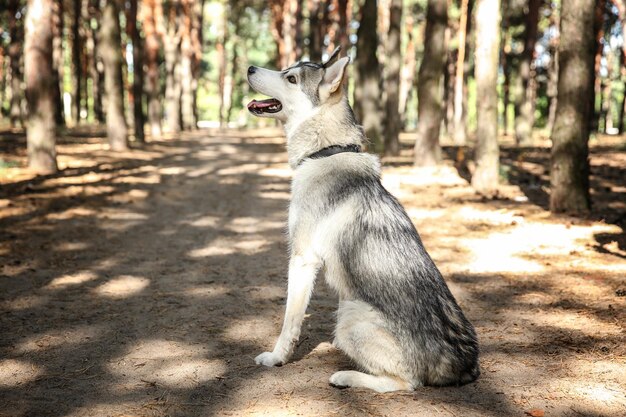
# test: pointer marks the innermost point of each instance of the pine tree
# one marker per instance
(39, 80)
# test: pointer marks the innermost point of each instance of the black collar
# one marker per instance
(332, 150)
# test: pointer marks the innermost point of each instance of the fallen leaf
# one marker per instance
(535, 412)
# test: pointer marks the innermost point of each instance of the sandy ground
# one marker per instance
(144, 284)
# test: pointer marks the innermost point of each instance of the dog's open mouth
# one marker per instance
(271, 105)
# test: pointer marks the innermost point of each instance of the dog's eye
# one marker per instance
(291, 79)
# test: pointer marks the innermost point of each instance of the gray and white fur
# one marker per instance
(397, 319)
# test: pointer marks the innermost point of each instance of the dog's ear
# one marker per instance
(333, 78)
(333, 57)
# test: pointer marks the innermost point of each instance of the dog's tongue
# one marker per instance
(261, 104)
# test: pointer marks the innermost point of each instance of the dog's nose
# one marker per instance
(251, 70)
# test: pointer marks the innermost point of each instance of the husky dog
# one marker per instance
(397, 319)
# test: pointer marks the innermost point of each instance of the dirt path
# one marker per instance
(144, 284)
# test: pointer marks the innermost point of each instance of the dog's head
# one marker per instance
(298, 90)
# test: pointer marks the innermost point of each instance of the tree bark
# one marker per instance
(186, 66)
(15, 54)
(598, 29)
(152, 23)
(113, 83)
(367, 89)
(222, 64)
(430, 112)
(57, 61)
(96, 70)
(393, 122)
(316, 36)
(459, 134)
(133, 33)
(525, 120)
(485, 177)
(553, 71)
(569, 173)
(39, 78)
(342, 33)
(621, 9)
(408, 68)
(77, 49)
(172, 69)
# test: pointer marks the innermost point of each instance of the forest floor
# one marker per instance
(144, 283)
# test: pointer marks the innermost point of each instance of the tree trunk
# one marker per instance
(113, 83)
(553, 72)
(485, 177)
(186, 66)
(95, 63)
(393, 122)
(408, 68)
(430, 112)
(459, 133)
(621, 9)
(525, 120)
(15, 55)
(598, 47)
(39, 78)
(569, 173)
(152, 21)
(133, 33)
(57, 61)
(222, 63)
(77, 49)
(342, 33)
(197, 42)
(367, 89)
(171, 48)
(316, 36)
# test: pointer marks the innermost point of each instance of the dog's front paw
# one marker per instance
(269, 359)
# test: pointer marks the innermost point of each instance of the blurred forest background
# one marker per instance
(462, 72)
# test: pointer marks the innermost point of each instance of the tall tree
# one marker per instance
(459, 133)
(171, 47)
(316, 31)
(152, 17)
(569, 169)
(113, 83)
(77, 50)
(15, 55)
(186, 65)
(367, 89)
(134, 35)
(57, 60)
(524, 121)
(408, 67)
(427, 147)
(485, 177)
(223, 88)
(39, 79)
(95, 61)
(393, 122)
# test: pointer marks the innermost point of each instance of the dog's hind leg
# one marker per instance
(361, 335)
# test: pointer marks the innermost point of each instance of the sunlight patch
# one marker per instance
(169, 363)
(71, 246)
(71, 279)
(14, 372)
(211, 251)
(56, 338)
(276, 172)
(204, 221)
(122, 286)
